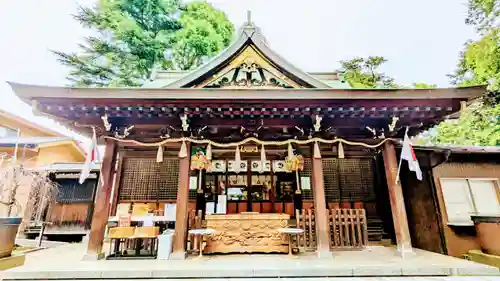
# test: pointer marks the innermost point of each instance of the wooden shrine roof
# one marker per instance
(349, 111)
(34, 92)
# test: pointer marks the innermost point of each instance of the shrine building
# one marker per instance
(248, 137)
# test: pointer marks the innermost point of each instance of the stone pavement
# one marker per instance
(448, 278)
(64, 262)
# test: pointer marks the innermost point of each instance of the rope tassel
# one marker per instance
(290, 151)
(341, 151)
(209, 152)
(237, 156)
(316, 153)
(183, 151)
(159, 154)
(263, 155)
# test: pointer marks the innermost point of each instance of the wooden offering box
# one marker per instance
(247, 233)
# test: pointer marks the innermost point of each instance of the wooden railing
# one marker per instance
(305, 220)
(348, 229)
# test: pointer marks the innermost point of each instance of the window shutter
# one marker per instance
(457, 200)
(485, 197)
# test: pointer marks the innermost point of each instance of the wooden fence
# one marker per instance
(348, 229)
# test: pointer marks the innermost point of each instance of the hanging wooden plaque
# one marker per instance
(259, 166)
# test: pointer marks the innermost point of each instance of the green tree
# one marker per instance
(136, 36)
(420, 85)
(483, 14)
(478, 125)
(479, 63)
(364, 73)
(206, 32)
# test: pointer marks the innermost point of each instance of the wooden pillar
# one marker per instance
(101, 203)
(181, 216)
(396, 199)
(322, 226)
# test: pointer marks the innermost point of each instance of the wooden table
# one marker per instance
(201, 232)
(247, 233)
(291, 231)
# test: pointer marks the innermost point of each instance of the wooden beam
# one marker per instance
(116, 187)
(101, 207)
(396, 199)
(320, 210)
(181, 216)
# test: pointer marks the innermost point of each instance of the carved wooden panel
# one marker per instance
(247, 233)
(249, 70)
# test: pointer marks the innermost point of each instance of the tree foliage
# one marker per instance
(206, 32)
(479, 63)
(365, 73)
(421, 85)
(136, 36)
(479, 125)
(483, 14)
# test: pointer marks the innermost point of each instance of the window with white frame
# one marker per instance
(466, 197)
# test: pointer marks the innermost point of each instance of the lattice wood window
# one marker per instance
(331, 179)
(307, 172)
(144, 179)
(70, 191)
(348, 179)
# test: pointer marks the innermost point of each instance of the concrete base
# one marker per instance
(406, 252)
(93, 256)
(325, 254)
(178, 256)
(373, 261)
(12, 261)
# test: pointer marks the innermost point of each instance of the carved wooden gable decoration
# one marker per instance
(248, 63)
(249, 69)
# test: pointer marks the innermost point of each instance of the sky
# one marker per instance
(421, 39)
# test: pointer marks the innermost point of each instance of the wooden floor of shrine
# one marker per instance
(65, 262)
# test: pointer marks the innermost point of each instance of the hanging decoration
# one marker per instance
(250, 140)
(199, 160)
(341, 151)
(237, 156)
(290, 151)
(263, 155)
(317, 123)
(184, 123)
(209, 152)
(159, 154)
(263, 159)
(105, 121)
(316, 151)
(294, 163)
(183, 152)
